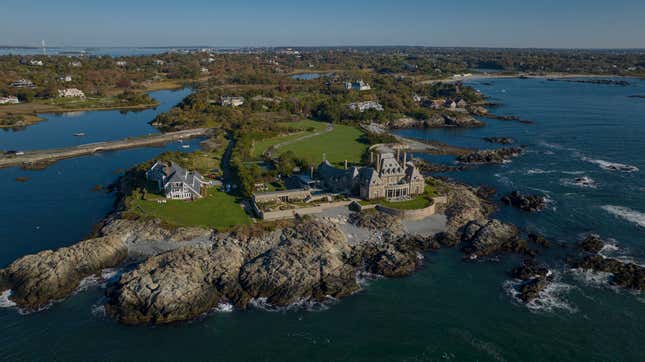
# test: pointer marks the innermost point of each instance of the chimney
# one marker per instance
(398, 154)
(405, 158)
(371, 157)
(346, 164)
(378, 162)
(312, 172)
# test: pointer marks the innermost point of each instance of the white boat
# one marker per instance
(185, 146)
(79, 134)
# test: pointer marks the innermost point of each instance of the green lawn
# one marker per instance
(419, 202)
(218, 210)
(338, 145)
(262, 145)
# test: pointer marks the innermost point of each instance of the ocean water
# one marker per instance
(450, 310)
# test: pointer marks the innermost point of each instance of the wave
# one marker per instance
(5, 302)
(224, 308)
(549, 299)
(612, 166)
(584, 181)
(626, 213)
(591, 278)
(306, 304)
(538, 171)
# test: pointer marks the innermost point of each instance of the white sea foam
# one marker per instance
(5, 302)
(224, 307)
(626, 213)
(98, 310)
(585, 182)
(306, 304)
(538, 171)
(590, 277)
(549, 299)
(611, 166)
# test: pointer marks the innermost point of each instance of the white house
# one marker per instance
(75, 64)
(176, 182)
(66, 78)
(159, 62)
(232, 101)
(359, 86)
(9, 100)
(71, 93)
(36, 62)
(204, 70)
(23, 83)
(364, 106)
(121, 63)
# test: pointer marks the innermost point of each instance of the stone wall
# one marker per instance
(289, 214)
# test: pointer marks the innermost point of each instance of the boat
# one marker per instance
(185, 146)
(79, 134)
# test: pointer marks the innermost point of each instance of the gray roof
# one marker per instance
(175, 173)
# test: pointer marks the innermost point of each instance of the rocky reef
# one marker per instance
(439, 120)
(623, 274)
(530, 203)
(490, 156)
(499, 140)
(534, 279)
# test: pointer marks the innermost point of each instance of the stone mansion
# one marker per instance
(389, 176)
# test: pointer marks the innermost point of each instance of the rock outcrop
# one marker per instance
(490, 156)
(530, 203)
(499, 140)
(535, 278)
(37, 280)
(623, 274)
(175, 286)
(487, 237)
(439, 120)
(309, 262)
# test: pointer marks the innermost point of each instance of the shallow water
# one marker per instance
(451, 310)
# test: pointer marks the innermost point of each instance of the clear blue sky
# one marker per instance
(493, 23)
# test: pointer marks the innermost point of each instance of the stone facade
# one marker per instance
(387, 178)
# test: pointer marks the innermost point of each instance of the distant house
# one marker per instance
(359, 86)
(232, 101)
(9, 100)
(364, 106)
(36, 63)
(159, 62)
(75, 64)
(71, 93)
(121, 63)
(66, 78)
(176, 182)
(461, 103)
(450, 104)
(416, 98)
(23, 83)
(204, 70)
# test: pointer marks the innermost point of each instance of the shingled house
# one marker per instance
(176, 182)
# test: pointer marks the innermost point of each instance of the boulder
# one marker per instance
(592, 243)
(530, 203)
(625, 275)
(499, 140)
(487, 237)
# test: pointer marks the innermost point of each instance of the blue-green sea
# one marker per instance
(450, 310)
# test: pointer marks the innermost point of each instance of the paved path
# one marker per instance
(38, 158)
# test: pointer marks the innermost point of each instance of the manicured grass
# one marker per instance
(419, 202)
(262, 145)
(217, 210)
(343, 143)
